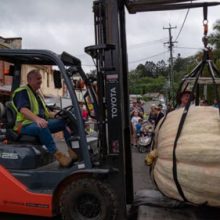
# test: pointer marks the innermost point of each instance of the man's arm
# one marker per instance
(31, 116)
(22, 103)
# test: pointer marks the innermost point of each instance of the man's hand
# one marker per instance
(41, 122)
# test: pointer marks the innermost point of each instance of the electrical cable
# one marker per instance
(183, 23)
(146, 58)
(189, 48)
(135, 61)
(131, 47)
(146, 42)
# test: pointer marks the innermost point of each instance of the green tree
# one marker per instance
(140, 70)
(214, 40)
(151, 69)
(183, 66)
(162, 68)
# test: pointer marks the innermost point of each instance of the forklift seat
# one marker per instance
(2, 111)
(13, 135)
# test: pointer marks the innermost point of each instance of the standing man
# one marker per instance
(33, 118)
(159, 114)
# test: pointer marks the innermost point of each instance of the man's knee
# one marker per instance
(56, 125)
(44, 131)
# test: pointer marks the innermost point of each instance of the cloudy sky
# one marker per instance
(67, 25)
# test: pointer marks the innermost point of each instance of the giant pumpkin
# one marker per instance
(197, 156)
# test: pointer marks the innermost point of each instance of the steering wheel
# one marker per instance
(70, 119)
(64, 113)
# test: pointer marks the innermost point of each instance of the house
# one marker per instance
(5, 80)
(47, 87)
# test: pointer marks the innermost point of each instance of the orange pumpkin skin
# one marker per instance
(197, 153)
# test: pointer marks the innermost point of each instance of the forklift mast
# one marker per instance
(110, 55)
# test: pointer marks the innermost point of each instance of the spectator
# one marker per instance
(203, 102)
(140, 108)
(159, 114)
(215, 103)
(138, 128)
(152, 115)
(134, 121)
(85, 113)
(169, 108)
(133, 107)
(184, 98)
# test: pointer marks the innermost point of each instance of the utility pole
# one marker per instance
(171, 74)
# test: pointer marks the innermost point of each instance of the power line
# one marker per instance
(183, 24)
(146, 58)
(146, 42)
(136, 61)
(131, 46)
(189, 48)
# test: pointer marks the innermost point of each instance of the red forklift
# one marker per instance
(32, 183)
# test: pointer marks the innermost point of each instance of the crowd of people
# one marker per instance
(185, 97)
(139, 118)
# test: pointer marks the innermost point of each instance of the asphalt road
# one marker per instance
(141, 179)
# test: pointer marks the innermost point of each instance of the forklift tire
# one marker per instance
(88, 199)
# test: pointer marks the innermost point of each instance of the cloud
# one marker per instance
(50, 24)
(146, 29)
(69, 26)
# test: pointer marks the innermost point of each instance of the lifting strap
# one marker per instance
(180, 127)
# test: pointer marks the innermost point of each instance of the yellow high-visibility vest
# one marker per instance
(34, 107)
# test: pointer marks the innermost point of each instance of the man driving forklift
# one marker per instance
(34, 119)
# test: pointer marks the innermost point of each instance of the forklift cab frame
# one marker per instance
(45, 57)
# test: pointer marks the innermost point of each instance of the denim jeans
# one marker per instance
(44, 134)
